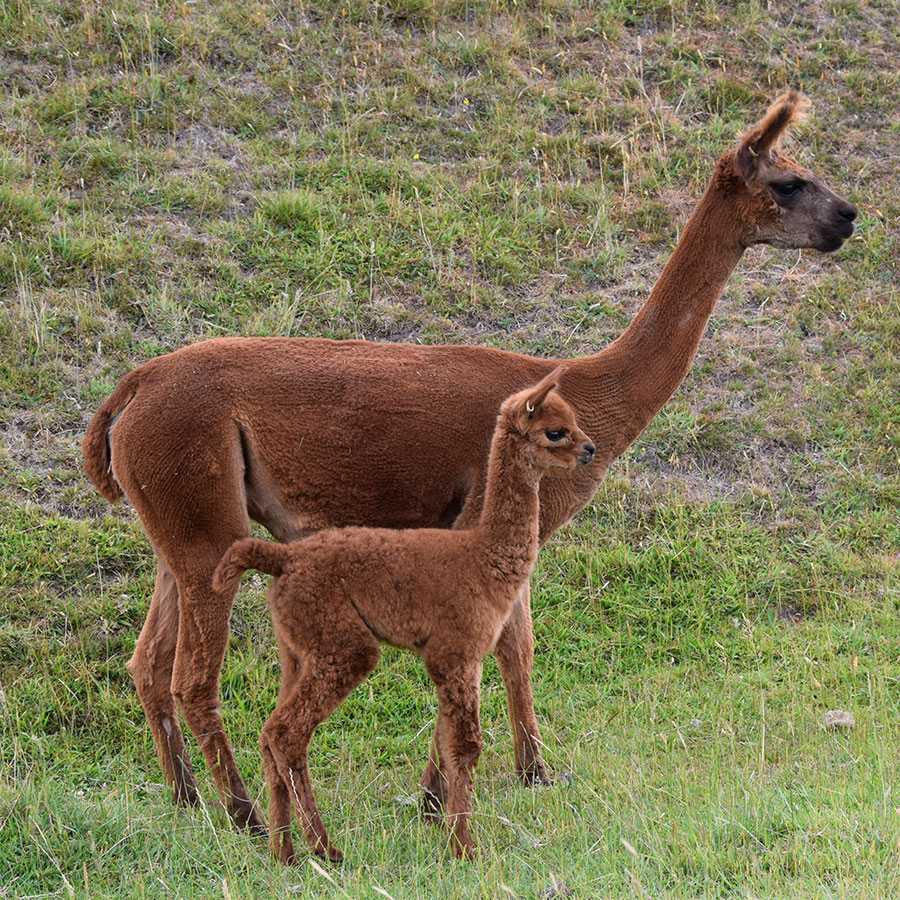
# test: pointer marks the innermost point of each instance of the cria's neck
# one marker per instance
(508, 528)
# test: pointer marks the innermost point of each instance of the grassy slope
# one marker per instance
(494, 172)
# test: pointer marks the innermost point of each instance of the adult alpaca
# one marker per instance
(444, 594)
(301, 434)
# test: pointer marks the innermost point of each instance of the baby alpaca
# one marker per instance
(444, 594)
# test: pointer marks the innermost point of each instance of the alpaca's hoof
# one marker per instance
(536, 772)
(281, 845)
(535, 775)
(257, 828)
(245, 816)
(431, 807)
(183, 782)
(285, 854)
(464, 852)
(331, 855)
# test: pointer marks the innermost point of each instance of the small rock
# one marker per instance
(836, 719)
(792, 615)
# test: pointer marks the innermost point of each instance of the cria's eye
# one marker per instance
(557, 435)
(788, 188)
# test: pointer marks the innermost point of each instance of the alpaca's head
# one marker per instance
(778, 202)
(548, 435)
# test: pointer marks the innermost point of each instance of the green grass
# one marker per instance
(507, 174)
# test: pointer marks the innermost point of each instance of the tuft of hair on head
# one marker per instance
(759, 141)
(539, 393)
(520, 408)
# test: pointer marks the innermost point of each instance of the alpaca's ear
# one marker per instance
(758, 143)
(538, 394)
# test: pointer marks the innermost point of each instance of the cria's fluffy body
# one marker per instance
(303, 434)
(444, 594)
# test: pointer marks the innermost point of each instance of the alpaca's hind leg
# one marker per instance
(459, 742)
(330, 671)
(202, 636)
(192, 516)
(151, 668)
(515, 655)
(434, 782)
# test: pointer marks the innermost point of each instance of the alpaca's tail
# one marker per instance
(95, 444)
(249, 553)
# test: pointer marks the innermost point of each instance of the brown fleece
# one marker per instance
(444, 594)
(303, 434)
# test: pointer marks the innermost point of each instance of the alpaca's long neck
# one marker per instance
(508, 528)
(632, 379)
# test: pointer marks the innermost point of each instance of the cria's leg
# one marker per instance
(279, 795)
(515, 654)
(279, 807)
(291, 666)
(151, 668)
(459, 743)
(345, 654)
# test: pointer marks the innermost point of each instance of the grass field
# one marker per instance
(504, 173)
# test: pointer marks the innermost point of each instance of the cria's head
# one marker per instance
(551, 438)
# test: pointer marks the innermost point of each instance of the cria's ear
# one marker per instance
(538, 393)
(758, 143)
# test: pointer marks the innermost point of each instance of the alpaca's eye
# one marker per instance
(788, 188)
(555, 435)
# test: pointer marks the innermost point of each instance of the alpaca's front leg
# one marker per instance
(515, 656)
(434, 781)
